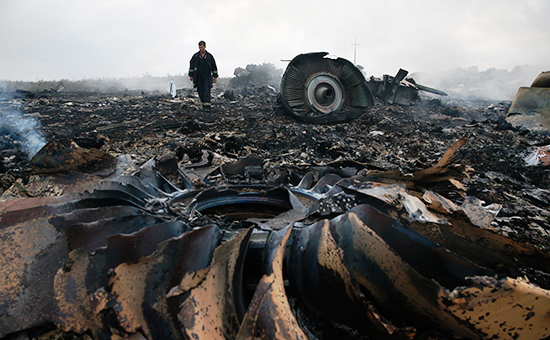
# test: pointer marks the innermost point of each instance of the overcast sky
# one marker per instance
(77, 39)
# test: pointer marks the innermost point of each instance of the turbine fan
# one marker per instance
(319, 89)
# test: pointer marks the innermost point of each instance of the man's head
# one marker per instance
(202, 46)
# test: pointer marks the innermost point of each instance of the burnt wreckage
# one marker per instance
(339, 244)
(318, 89)
(241, 250)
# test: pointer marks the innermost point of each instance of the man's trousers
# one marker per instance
(203, 88)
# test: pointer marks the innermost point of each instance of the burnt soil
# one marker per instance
(250, 121)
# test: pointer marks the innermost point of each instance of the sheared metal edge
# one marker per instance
(418, 211)
(482, 246)
(325, 183)
(196, 174)
(503, 309)
(307, 181)
(80, 288)
(136, 182)
(33, 247)
(130, 248)
(323, 283)
(489, 249)
(457, 184)
(152, 178)
(239, 167)
(468, 232)
(115, 194)
(439, 203)
(139, 291)
(87, 215)
(388, 194)
(424, 255)
(446, 160)
(30, 253)
(34, 202)
(269, 315)
(391, 91)
(478, 215)
(308, 193)
(397, 195)
(213, 309)
(184, 198)
(93, 235)
(442, 171)
(298, 212)
(76, 304)
(196, 177)
(391, 282)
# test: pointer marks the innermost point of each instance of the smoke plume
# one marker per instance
(471, 83)
(20, 132)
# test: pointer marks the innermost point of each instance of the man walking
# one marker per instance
(203, 72)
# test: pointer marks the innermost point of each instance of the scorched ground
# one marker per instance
(434, 152)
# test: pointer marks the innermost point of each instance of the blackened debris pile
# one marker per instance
(268, 223)
(399, 90)
(256, 75)
(137, 254)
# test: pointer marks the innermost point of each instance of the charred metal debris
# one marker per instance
(531, 106)
(319, 89)
(331, 251)
(144, 218)
(398, 89)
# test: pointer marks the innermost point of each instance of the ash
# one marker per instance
(250, 121)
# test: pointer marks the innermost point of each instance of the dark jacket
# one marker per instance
(203, 67)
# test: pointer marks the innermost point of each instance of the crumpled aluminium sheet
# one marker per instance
(118, 261)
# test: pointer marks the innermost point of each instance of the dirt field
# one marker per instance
(250, 122)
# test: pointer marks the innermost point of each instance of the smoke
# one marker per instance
(20, 132)
(472, 84)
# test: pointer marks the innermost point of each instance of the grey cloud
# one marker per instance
(72, 40)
